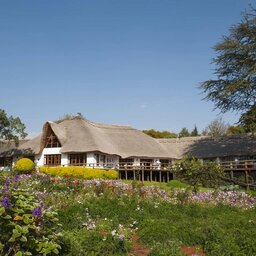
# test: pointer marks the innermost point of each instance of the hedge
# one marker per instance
(79, 172)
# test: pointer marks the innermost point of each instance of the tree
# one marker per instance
(158, 134)
(184, 133)
(216, 128)
(11, 128)
(248, 120)
(196, 173)
(194, 132)
(235, 129)
(234, 89)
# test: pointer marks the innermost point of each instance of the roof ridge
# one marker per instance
(108, 126)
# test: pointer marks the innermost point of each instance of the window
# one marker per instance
(52, 140)
(5, 161)
(77, 159)
(52, 160)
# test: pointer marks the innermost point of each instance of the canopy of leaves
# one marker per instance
(160, 134)
(248, 120)
(11, 128)
(235, 86)
(184, 133)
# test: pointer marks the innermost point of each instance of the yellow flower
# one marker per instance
(17, 217)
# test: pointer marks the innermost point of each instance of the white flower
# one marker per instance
(113, 232)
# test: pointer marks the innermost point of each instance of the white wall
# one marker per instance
(64, 159)
(91, 158)
(112, 160)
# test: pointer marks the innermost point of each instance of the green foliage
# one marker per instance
(79, 172)
(11, 128)
(194, 132)
(234, 88)
(102, 218)
(177, 184)
(160, 134)
(235, 129)
(248, 120)
(184, 133)
(24, 165)
(196, 173)
(27, 228)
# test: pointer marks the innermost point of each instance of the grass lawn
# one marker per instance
(106, 217)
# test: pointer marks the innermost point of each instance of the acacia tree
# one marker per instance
(11, 128)
(234, 89)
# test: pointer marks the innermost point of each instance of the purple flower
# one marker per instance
(6, 203)
(37, 211)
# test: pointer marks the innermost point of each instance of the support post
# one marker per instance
(126, 177)
(160, 176)
(142, 175)
(247, 180)
(134, 176)
(150, 176)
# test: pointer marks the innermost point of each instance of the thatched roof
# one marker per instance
(9, 148)
(32, 146)
(210, 147)
(80, 135)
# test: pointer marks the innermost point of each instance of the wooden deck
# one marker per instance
(162, 172)
(244, 172)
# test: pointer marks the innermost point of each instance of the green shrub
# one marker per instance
(26, 226)
(24, 165)
(79, 172)
(198, 173)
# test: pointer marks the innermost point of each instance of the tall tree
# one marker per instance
(234, 89)
(194, 132)
(11, 128)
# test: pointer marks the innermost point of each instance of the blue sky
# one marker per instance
(135, 62)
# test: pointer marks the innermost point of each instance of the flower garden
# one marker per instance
(51, 215)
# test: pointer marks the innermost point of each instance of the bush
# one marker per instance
(198, 173)
(27, 227)
(24, 165)
(79, 172)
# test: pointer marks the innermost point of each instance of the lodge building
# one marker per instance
(80, 142)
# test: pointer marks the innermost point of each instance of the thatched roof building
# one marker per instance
(80, 136)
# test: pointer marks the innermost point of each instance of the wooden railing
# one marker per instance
(241, 165)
